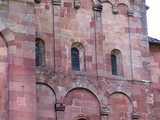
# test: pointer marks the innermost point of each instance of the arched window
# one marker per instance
(40, 52)
(75, 59)
(116, 62)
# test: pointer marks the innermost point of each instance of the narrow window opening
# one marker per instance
(40, 52)
(114, 64)
(75, 59)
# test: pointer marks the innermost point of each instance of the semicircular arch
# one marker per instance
(84, 102)
(46, 100)
(83, 88)
(120, 106)
(45, 84)
(123, 93)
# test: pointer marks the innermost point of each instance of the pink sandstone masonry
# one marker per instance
(54, 90)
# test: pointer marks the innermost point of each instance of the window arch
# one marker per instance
(77, 57)
(40, 52)
(116, 62)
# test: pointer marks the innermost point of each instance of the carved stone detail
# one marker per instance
(114, 10)
(57, 2)
(130, 12)
(77, 4)
(135, 116)
(105, 111)
(59, 107)
(98, 7)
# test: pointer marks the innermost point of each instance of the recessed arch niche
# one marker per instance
(46, 100)
(120, 107)
(80, 102)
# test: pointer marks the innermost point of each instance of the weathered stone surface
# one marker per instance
(30, 92)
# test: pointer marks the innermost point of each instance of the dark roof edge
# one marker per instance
(153, 41)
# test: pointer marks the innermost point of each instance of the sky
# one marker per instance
(153, 18)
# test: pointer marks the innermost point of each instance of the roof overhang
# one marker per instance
(153, 41)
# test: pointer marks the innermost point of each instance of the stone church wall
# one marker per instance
(53, 90)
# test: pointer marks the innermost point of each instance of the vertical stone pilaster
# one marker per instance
(22, 83)
(57, 35)
(98, 38)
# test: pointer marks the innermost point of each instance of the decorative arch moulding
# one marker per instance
(89, 90)
(58, 2)
(115, 4)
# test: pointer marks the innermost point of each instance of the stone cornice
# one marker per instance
(23, 1)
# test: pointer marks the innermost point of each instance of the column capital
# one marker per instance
(135, 116)
(59, 107)
(105, 111)
(98, 7)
